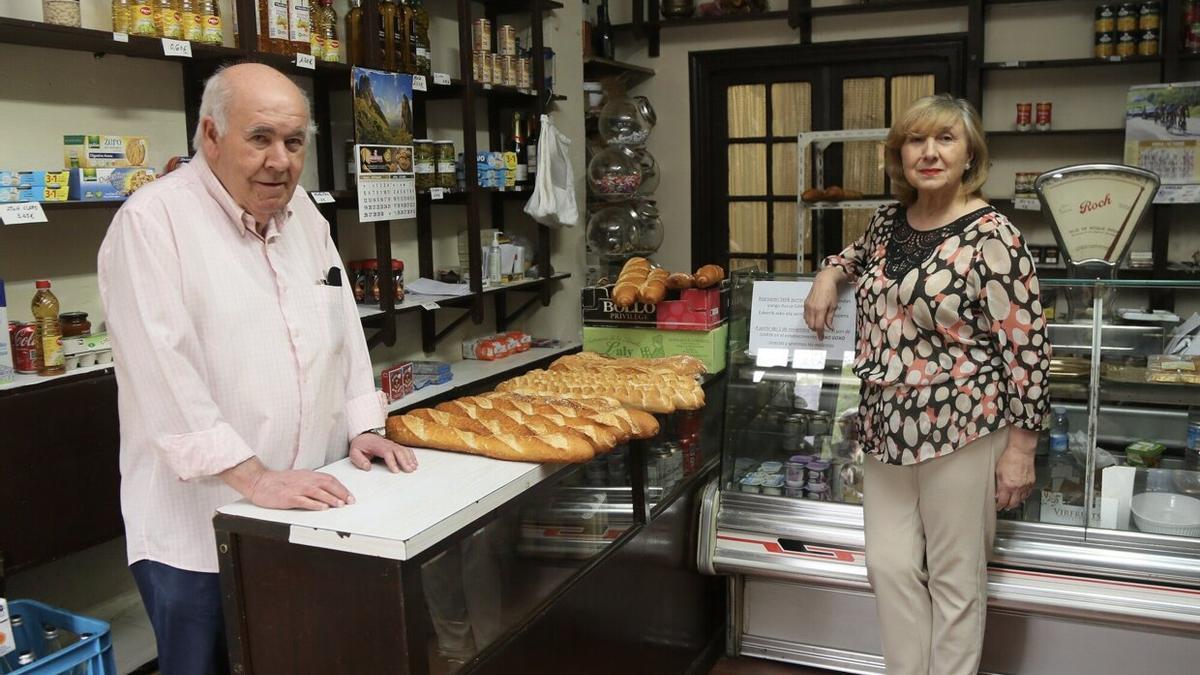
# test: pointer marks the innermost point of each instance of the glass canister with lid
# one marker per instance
(74, 323)
(424, 163)
(61, 12)
(622, 122)
(446, 167)
(614, 173)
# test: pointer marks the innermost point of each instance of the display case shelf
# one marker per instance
(24, 381)
(1071, 63)
(1010, 133)
(878, 7)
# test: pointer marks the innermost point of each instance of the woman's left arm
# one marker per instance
(1010, 296)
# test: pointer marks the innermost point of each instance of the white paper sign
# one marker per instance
(419, 83)
(120, 37)
(8, 641)
(323, 198)
(22, 212)
(1026, 204)
(306, 61)
(430, 306)
(441, 79)
(437, 193)
(181, 48)
(777, 325)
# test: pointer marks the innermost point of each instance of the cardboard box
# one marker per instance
(82, 344)
(694, 309)
(426, 373)
(27, 179)
(99, 185)
(88, 151)
(397, 381)
(646, 343)
(36, 193)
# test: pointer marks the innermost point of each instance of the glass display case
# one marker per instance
(1120, 446)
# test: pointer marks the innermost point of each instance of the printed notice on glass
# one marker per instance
(779, 336)
(386, 184)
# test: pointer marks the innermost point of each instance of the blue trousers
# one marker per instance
(185, 610)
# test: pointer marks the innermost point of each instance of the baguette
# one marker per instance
(709, 275)
(630, 423)
(601, 437)
(627, 428)
(624, 293)
(643, 424)
(417, 432)
(680, 363)
(612, 376)
(641, 398)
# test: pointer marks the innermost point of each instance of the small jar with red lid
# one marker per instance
(74, 324)
(357, 287)
(371, 281)
(398, 279)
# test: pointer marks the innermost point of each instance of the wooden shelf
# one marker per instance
(23, 381)
(1070, 63)
(707, 20)
(1055, 132)
(595, 67)
(413, 302)
(879, 6)
(518, 6)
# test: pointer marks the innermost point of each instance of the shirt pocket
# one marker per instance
(331, 316)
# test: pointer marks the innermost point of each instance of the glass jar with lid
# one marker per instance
(614, 173)
(612, 231)
(61, 12)
(623, 122)
(649, 169)
(74, 324)
(650, 227)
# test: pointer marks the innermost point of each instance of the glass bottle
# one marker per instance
(531, 148)
(74, 323)
(402, 36)
(299, 27)
(51, 640)
(602, 35)
(191, 16)
(419, 36)
(120, 16)
(516, 144)
(210, 10)
(45, 314)
(354, 37)
(387, 33)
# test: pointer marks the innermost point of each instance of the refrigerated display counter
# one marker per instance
(1090, 575)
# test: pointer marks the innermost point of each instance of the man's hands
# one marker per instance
(822, 301)
(1015, 474)
(397, 457)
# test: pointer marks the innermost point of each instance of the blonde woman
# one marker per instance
(954, 364)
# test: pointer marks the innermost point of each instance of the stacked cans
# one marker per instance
(1128, 29)
(507, 66)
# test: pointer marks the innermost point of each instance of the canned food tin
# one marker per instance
(507, 37)
(497, 68)
(1044, 109)
(481, 35)
(1148, 43)
(1106, 45)
(27, 353)
(1149, 16)
(1106, 19)
(508, 68)
(481, 67)
(524, 73)
(1127, 17)
(1126, 44)
(1024, 116)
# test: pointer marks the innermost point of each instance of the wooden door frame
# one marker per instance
(709, 122)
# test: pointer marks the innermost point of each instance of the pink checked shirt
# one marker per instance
(226, 346)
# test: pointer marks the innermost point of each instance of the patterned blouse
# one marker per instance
(951, 341)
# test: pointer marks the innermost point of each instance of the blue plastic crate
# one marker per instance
(93, 656)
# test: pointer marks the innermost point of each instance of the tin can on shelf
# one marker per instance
(1044, 109)
(424, 163)
(1127, 17)
(1149, 16)
(1126, 44)
(481, 35)
(506, 36)
(524, 73)
(27, 353)
(508, 69)
(1106, 19)
(1024, 116)
(1106, 45)
(1148, 43)
(497, 68)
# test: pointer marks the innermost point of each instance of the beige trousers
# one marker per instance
(929, 532)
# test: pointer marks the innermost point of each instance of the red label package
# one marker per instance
(397, 381)
(696, 309)
(496, 346)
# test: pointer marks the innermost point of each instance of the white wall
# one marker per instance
(47, 93)
(1082, 98)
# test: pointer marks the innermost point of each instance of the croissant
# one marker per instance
(709, 275)
(680, 281)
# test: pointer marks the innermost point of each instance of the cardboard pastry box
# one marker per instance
(648, 343)
(692, 309)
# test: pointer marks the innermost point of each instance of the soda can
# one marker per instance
(481, 35)
(27, 353)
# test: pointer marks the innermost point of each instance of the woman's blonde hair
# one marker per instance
(928, 116)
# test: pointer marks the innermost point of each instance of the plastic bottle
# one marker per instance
(191, 15)
(1059, 432)
(328, 33)
(213, 33)
(419, 39)
(494, 259)
(167, 19)
(299, 27)
(354, 37)
(6, 355)
(120, 16)
(45, 314)
(316, 33)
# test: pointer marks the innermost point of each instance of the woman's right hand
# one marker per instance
(822, 301)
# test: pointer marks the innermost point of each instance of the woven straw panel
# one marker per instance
(863, 108)
(791, 108)
(854, 223)
(748, 227)
(788, 266)
(747, 104)
(748, 169)
(747, 263)
(784, 169)
(784, 225)
(908, 88)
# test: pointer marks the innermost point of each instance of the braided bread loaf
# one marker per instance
(605, 410)
(600, 436)
(681, 363)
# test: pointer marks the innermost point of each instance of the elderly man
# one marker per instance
(240, 358)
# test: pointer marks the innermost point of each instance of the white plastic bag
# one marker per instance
(553, 201)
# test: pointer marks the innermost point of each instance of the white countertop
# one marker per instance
(400, 515)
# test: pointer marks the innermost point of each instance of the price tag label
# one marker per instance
(419, 83)
(441, 79)
(1012, 64)
(181, 48)
(306, 61)
(488, 87)
(430, 306)
(120, 37)
(22, 212)
(323, 198)
(437, 193)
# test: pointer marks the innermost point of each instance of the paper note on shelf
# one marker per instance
(418, 83)
(441, 79)
(177, 48)
(22, 212)
(306, 61)
(424, 286)
(322, 198)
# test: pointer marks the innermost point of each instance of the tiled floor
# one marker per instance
(748, 666)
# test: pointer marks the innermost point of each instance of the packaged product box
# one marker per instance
(90, 151)
(708, 346)
(82, 344)
(37, 193)
(426, 373)
(492, 347)
(397, 381)
(27, 179)
(695, 309)
(97, 185)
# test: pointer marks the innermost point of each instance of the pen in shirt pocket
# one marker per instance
(332, 278)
